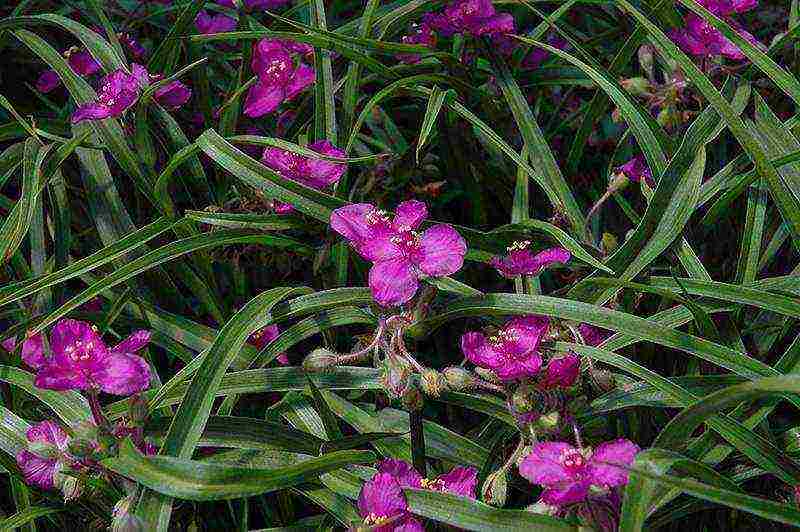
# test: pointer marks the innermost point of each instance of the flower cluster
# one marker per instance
(470, 17)
(381, 502)
(400, 254)
(80, 61)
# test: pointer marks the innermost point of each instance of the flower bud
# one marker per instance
(396, 376)
(71, 488)
(609, 243)
(487, 375)
(122, 518)
(458, 379)
(636, 86)
(542, 508)
(646, 60)
(549, 423)
(432, 382)
(320, 360)
(521, 400)
(603, 380)
(495, 487)
(412, 399)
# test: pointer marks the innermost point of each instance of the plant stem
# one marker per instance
(417, 442)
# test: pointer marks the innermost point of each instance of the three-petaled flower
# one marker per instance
(520, 260)
(512, 352)
(279, 80)
(400, 254)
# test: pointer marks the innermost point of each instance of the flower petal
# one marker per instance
(123, 374)
(60, 378)
(602, 472)
(381, 496)
(409, 215)
(90, 111)
(351, 221)
(320, 173)
(304, 76)
(403, 473)
(37, 471)
(460, 481)
(133, 343)
(441, 251)
(542, 465)
(262, 99)
(48, 432)
(568, 493)
(392, 282)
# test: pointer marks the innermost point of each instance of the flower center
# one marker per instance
(433, 484)
(374, 519)
(80, 351)
(573, 460)
(377, 216)
(519, 245)
(503, 337)
(407, 241)
(276, 69)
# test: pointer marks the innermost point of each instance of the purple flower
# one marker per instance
(474, 17)
(82, 62)
(82, 361)
(262, 338)
(48, 81)
(278, 79)
(561, 372)
(118, 92)
(701, 39)
(32, 350)
(134, 47)
(567, 473)
(173, 95)
(459, 481)
(521, 261)
(593, 336)
(208, 24)
(41, 466)
(512, 352)
(726, 8)
(399, 253)
(635, 170)
(538, 55)
(421, 34)
(382, 505)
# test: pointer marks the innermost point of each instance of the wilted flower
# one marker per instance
(81, 62)
(521, 260)
(421, 34)
(41, 464)
(208, 24)
(512, 352)
(635, 170)
(400, 254)
(173, 95)
(278, 79)
(567, 473)
(262, 338)
(561, 372)
(701, 39)
(32, 349)
(134, 47)
(118, 92)
(48, 81)
(309, 171)
(81, 361)
(473, 17)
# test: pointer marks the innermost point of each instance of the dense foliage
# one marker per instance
(399, 266)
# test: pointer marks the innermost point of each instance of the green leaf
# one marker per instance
(70, 406)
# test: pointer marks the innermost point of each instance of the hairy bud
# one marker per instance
(646, 60)
(487, 375)
(71, 488)
(320, 360)
(636, 86)
(458, 379)
(602, 380)
(432, 382)
(137, 409)
(609, 243)
(396, 376)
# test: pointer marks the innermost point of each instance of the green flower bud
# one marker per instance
(458, 379)
(81, 448)
(137, 409)
(646, 60)
(71, 488)
(412, 399)
(320, 360)
(487, 375)
(636, 86)
(432, 382)
(396, 376)
(495, 488)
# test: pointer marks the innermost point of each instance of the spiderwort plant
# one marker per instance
(279, 79)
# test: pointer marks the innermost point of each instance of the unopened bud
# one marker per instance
(432, 382)
(71, 488)
(412, 399)
(646, 60)
(487, 375)
(396, 376)
(548, 423)
(603, 380)
(521, 400)
(636, 86)
(495, 488)
(458, 379)
(542, 508)
(123, 520)
(320, 360)
(609, 243)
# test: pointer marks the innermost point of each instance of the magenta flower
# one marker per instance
(278, 79)
(382, 505)
(513, 351)
(521, 261)
(561, 372)
(133, 46)
(727, 8)
(48, 458)
(701, 39)
(118, 92)
(173, 95)
(32, 349)
(421, 34)
(635, 170)
(82, 62)
(208, 24)
(48, 81)
(82, 361)
(567, 473)
(459, 481)
(593, 336)
(473, 17)
(262, 338)
(399, 253)
(537, 56)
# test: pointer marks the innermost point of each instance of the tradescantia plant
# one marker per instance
(399, 266)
